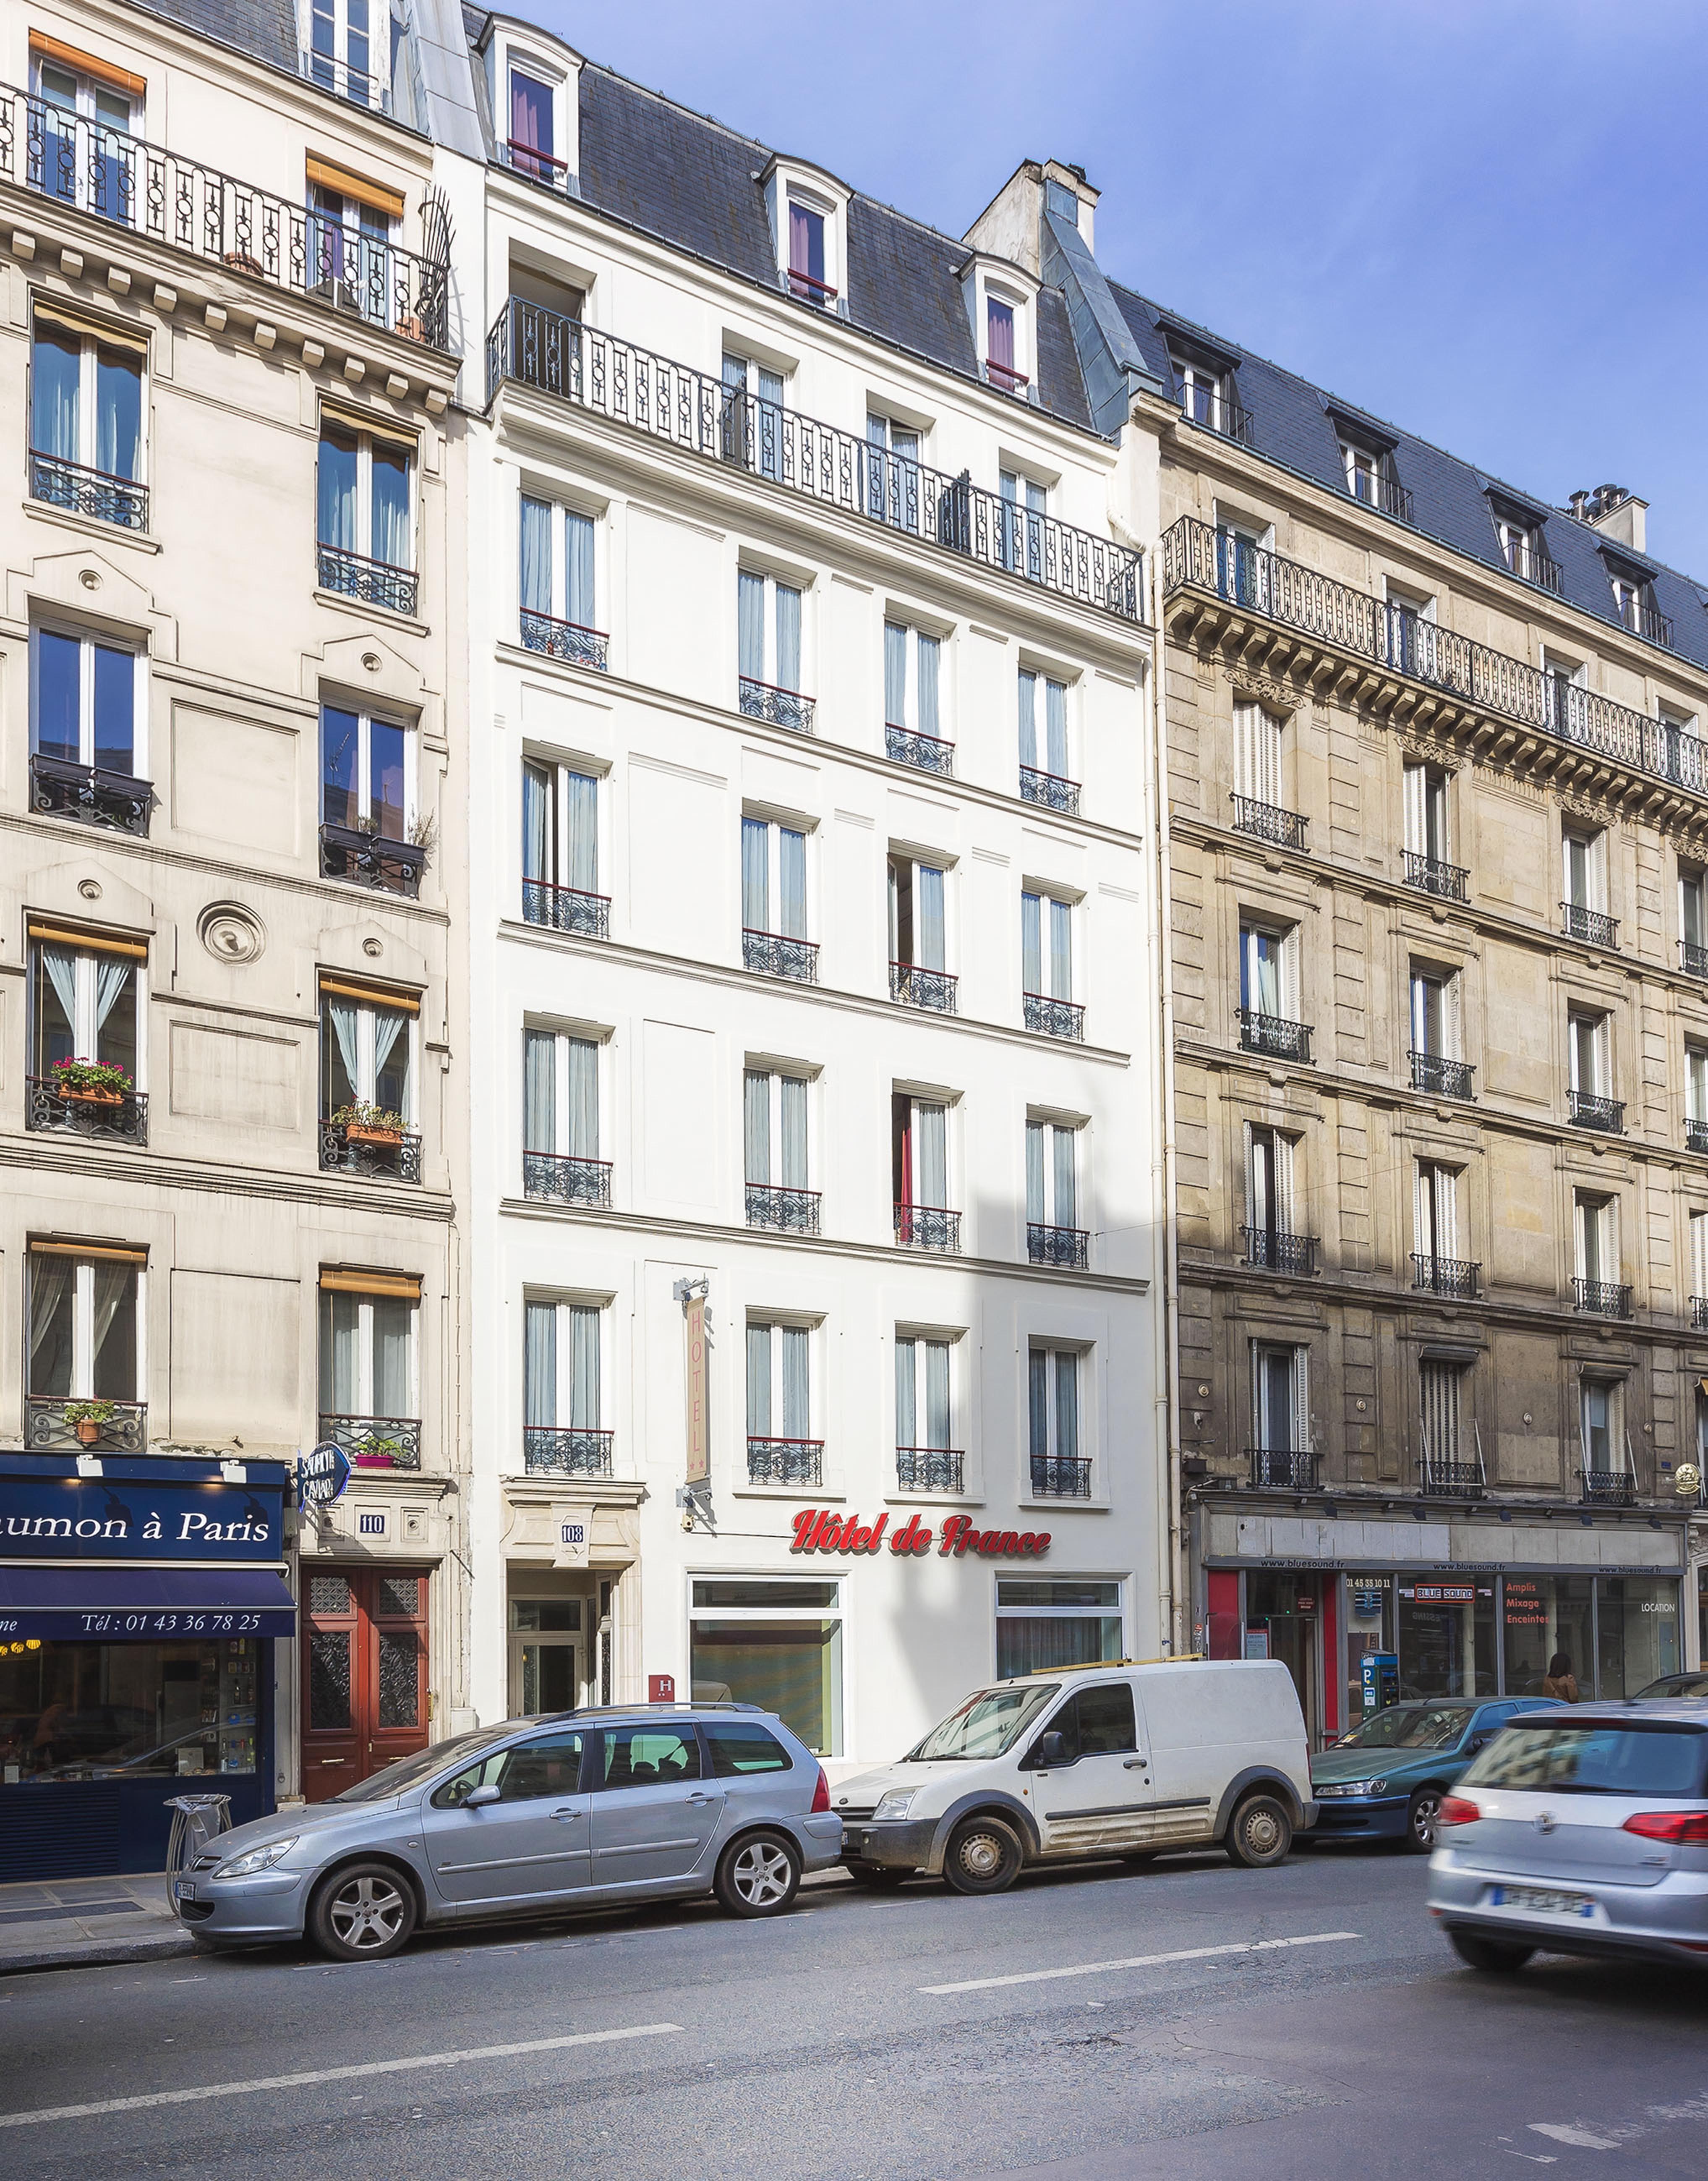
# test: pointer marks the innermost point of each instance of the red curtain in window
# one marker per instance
(999, 351)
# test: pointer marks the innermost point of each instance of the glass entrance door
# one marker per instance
(1289, 1606)
(543, 1676)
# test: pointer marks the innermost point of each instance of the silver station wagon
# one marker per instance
(581, 1810)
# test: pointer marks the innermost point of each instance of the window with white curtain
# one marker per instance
(1437, 1026)
(367, 1356)
(85, 1329)
(1696, 1083)
(560, 1117)
(367, 1055)
(1257, 755)
(562, 1382)
(919, 926)
(86, 416)
(1052, 1173)
(892, 472)
(1693, 915)
(1584, 876)
(1589, 1050)
(86, 1003)
(781, 1447)
(1600, 1426)
(774, 1149)
(773, 878)
(768, 633)
(87, 154)
(752, 418)
(365, 511)
(560, 849)
(912, 692)
(1046, 946)
(919, 1172)
(1699, 1258)
(1596, 1237)
(558, 582)
(1436, 1215)
(1043, 728)
(1426, 812)
(1269, 970)
(926, 1456)
(1058, 1469)
(86, 702)
(1281, 1408)
(1269, 1182)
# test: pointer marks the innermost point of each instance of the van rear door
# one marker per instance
(1100, 1799)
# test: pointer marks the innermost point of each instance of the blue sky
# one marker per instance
(1483, 222)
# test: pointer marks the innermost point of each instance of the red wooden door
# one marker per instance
(364, 1675)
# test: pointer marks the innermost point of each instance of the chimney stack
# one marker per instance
(1615, 513)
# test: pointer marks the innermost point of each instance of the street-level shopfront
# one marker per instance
(1465, 1607)
(141, 1599)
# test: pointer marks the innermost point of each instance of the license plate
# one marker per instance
(185, 1889)
(1542, 1900)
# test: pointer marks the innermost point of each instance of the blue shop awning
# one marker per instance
(110, 1604)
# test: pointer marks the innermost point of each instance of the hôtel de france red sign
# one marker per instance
(817, 1530)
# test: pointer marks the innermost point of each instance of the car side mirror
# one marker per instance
(1052, 1749)
(479, 1797)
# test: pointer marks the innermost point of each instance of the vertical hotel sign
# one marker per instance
(699, 1449)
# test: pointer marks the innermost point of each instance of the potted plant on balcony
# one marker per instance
(92, 1082)
(366, 1123)
(377, 1452)
(88, 1419)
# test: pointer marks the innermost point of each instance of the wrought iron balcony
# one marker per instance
(785, 1210)
(1049, 790)
(1216, 412)
(346, 851)
(46, 1432)
(1267, 821)
(778, 707)
(1272, 1251)
(924, 752)
(930, 1469)
(1589, 925)
(83, 166)
(1696, 1135)
(1060, 1476)
(933, 990)
(1450, 1480)
(1699, 1313)
(1386, 493)
(1274, 1036)
(374, 582)
(1197, 558)
(563, 1181)
(1647, 621)
(773, 954)
(114, 1116)
(567, 1451)
(346, 1149)
(1063, 1019)
(1438, 1076)
(1069, 1247)
(1530, 564)
(81, 490)
(1609, 1487)
(1282, 1468)
(1429, 874)
(1601, 1298)
(328, 72)
(785, 1460)
(557, 355)
(92, 793)
(928, 1227)
(1693, 959)
(375, 1442)
(566, 909)
(1588, 1111)
(1457, 1277)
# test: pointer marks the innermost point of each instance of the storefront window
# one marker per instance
(1546, 1615)
(1637, 1625)
(1446, 1638)
(83, 1711)
(1369, 1627)
(1067, 1623)
(776, 1644)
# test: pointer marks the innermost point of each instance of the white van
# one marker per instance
(1115, 1760)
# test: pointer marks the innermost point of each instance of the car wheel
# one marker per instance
(881, 1877)
(1423, 1821)
(1261, 1833)
(362, 1913)
(758, 1876)
(984, 1856)
(1494, 1955)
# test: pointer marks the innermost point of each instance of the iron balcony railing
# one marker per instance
(928, 1227)
(1458, 1277)
(774, 954)
(1267, 821)
(1601, 1298)
(113, 1116)
(1609, 1487)
(375, 1442)
(785, 1460)
(1451, 1480)
(343, 1149)
(1061, 1476)
(930, 1469)
(1049, 790)
(777, 707)
(1699, 1313)
(1276, 1251)
(566, 909)
(1692, 958)
(691, 409)
(934, 990)
(346, 851)
(161, 197)
(1386, 493)
(1429, 874)
(98, 797)
(1530, 564)
(565, 1450)
(1196, 556)
(1068, 1247)
(1588, 1111)
(374, 582)
(783, 1211)
(343, 81)
(1282, 1468)
(81, 490)
(45, 1430)
(1437, 1076)
(1648, 621)
(566, 639)
(1063, 1019)
(1274, 1036)
(1696, 1135)
(924, 752)
(558, 1180)
(1216, 412)
(1589, 925)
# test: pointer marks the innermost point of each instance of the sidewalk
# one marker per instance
(67, 1922)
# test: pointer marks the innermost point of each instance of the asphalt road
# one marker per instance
(899, 2035)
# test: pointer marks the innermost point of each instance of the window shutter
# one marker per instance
(1283, 1182)
(1290, 976)
(1423, 1221)
(1245, 759)
(1454, 1017)
(1447, 1211)
(1417, 786)
(1256, 1177)
(1699, 1253)
(1300, 1399)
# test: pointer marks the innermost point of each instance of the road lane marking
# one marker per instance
(1579, 2138)
(1141, 1961)
(336, 2074)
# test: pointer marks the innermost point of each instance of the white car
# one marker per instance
(1116, 1760)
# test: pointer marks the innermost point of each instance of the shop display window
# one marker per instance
(1446, 1636)
(1544, 1614)
(1636, 1631)
(1045, 1624)
(88, 1711)
(774, 1643)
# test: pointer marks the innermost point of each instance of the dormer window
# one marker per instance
(1633, 601)
(533, 138)
(1207, 394)
(1524, 547)
(1001, 316)
(998, 346)
(535, 107)
(806, 279)
(808, 213)
(1369, 476)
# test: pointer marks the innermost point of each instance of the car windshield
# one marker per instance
(991, 1721)
(395, 1779)
(1547, 1754)
(1674, 1685)
(1409, 1726)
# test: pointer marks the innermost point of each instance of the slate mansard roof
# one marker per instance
(1295, 423)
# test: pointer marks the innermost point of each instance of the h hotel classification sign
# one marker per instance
(699, 1450)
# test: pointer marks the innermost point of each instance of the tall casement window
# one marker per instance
(368, 1120)
(1698, 1279)
(1046, 966)
(560, 850)
(1438, 1065)
(352, 231)
(1281, 1452)
(350, 49)
(559, 603)
(927, 1459)
(1634, 602)
(367, 529)
(90, 115)
(1584, 881)
(1439, 1261)
(88, 720)
(1429, 865)
(563, 1422)
(1692, 920)
(85, 420)
(919, 1173)
(1603, 1444)
(1058, 1470)
(751, 428)
(1207, 395)
(1053, 1234)
(912, 708)
(367, 801)
(560, 1119)
(1696, 1097)
(775, 1163)
(370, 1376)
(892, 472)
(1271, 1235)
(1596, 1287)
(87, 1010)
(1269, 991)
(767, 633)
(1589, 1061)
(1045, 768)
(1450, 1454)
(919, 975)
(85, 1339)
(532, 145)
(781, 1449)
(1001, 347)
(1370, 475)
(807, 280)
(1025, 504)
(773, 901)
(1524, 548)
(1259, 795)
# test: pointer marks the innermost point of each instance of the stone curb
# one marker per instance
(98, 1953)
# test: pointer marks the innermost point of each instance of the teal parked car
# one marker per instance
(1385, 1780)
